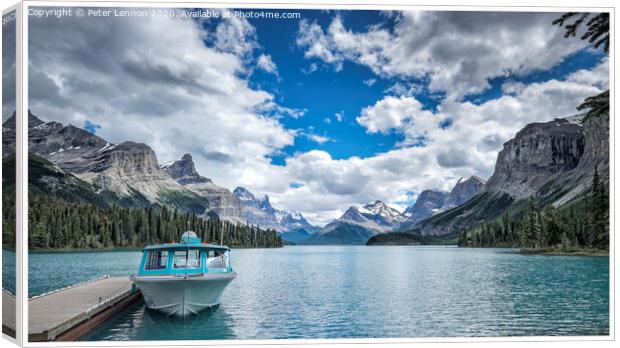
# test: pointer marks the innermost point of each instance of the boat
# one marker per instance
(182, 279)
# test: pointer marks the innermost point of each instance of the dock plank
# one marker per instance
(57, 313)
(54, 313)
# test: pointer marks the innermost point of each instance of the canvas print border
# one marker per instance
(22, 128)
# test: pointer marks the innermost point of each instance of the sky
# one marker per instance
(320, 112)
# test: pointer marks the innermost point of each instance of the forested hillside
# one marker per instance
(66, 212)
(581, 224)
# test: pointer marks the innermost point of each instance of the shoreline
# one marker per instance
(558, 252)
(551, 252)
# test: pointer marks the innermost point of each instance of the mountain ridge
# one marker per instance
(127, 170)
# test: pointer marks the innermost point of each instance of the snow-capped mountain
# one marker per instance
(259, 211)
(375, 215)
(359, 223)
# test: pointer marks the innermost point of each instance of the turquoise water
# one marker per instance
(363, 292)
(8, 270)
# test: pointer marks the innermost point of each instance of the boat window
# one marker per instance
(157, 260)
(186, 259)
(216, 259)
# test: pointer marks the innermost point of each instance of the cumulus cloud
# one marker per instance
(468, 147)
(234, 35)
(319, 139)
(398, 113)
(598, 77)
(457, 51)
(265, 63)
(154, 80)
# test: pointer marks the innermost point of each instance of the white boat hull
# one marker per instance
(182, 296)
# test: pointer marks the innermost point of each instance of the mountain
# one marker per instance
(552, 162)
(431, 202)
(9, 131)
(298, 235)
(221, 200)
(358, 224)
(129, 171)
(538, 153)
(464, 190)
(483, 207)
(47, 178)
(595, 155)
(240, 205)
(375, 216)
(341, 233)
(259, 211)
(256, 211)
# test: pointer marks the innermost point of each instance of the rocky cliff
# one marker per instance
(259, 211)
(538, 153)
(595, 155)
(428, 203)
(431, 202)
(221, 200)
(256, 210)
(128, 170)
(464, 190)
(184, 171)
(125, 169)
(553, 162)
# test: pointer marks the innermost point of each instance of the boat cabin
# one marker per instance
(188, 257)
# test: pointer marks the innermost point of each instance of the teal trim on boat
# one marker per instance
(200, 258)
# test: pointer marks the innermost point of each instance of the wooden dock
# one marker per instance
(69, 313)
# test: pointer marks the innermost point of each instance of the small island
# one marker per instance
(397, 238)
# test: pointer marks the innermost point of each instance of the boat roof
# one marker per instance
(183, 246)
(189, 240)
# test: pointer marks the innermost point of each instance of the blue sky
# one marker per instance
(327, 92)
(322, 112)
(323, 92)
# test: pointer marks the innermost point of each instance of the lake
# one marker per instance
(365, 292)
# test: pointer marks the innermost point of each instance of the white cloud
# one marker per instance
(320, 139)
(123, 75)
(154, 80)
(317, 44)
(339, 116)
(598, 77)
(512, 87)
(234, 35)
(468, 147)
(457, 51)
(265, 63)
(279, 111)
(370, 82)
(398, 113)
